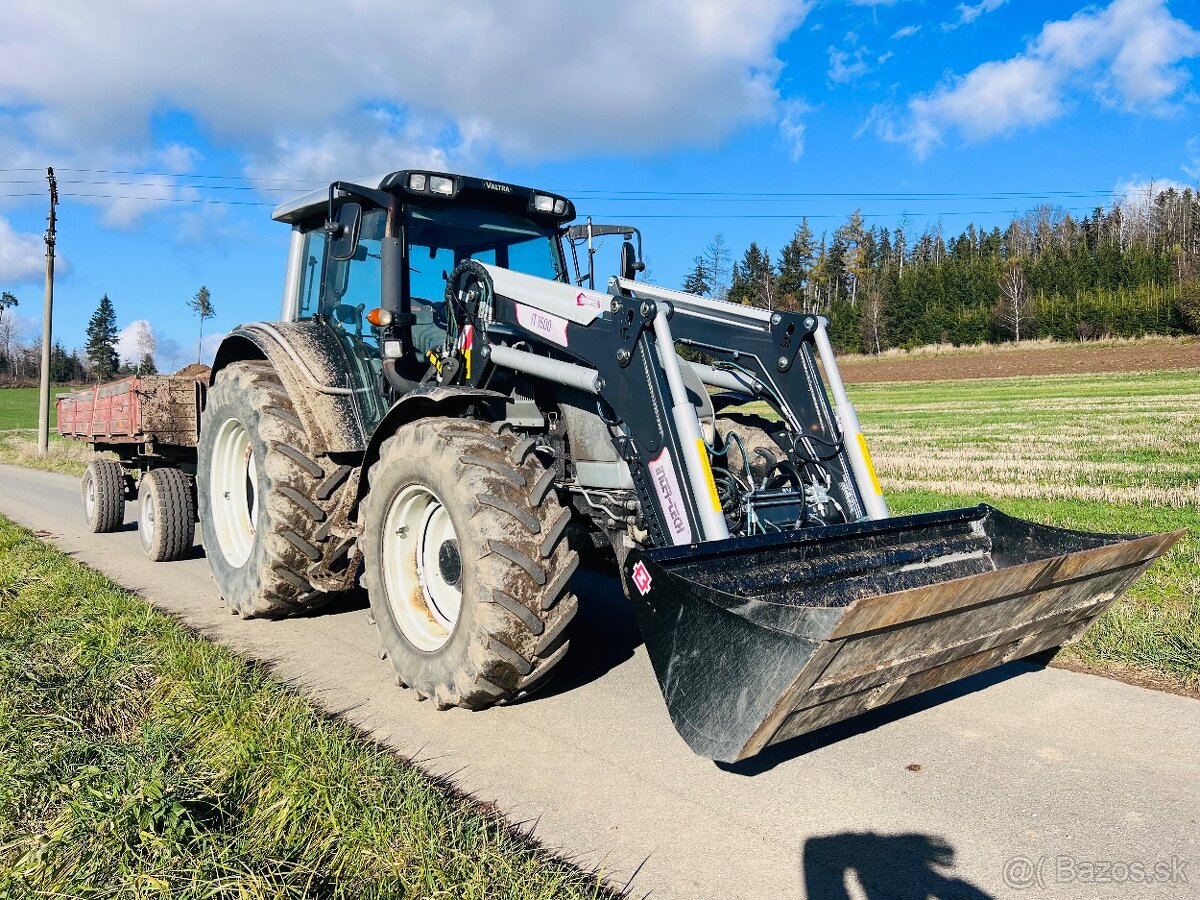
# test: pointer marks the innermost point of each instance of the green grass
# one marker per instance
(19, 407)
(139, 760)
(18, 434)
(1155, 628)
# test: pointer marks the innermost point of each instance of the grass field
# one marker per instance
(18, 434)
(139, 760)
(1111, 453)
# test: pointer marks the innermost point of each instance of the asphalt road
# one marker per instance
(939, 796)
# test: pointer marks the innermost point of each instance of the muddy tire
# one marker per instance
(264, 495)
(166, 514)
(102, 490)
(467, 563)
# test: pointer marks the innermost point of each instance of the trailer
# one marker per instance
(151, 424)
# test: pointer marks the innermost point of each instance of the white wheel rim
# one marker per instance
(232, 495)
(422, 567)
(89, 496)
(146, 520)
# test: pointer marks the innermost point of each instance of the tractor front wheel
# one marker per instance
(466, 561)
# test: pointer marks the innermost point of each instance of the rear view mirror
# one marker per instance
(343, 231)
(630, 265)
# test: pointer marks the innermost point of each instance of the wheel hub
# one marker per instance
(450, 563)
(422, 567)
(233, 476)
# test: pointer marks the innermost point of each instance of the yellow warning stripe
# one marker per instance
(862, 444)
(708, 475)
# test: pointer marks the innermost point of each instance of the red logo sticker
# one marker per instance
(641, 578)
(586, 301)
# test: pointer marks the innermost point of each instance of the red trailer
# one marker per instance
(151, 423)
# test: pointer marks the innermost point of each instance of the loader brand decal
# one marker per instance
(662, 473)
(497, 186)
(552, 328)
(641, 578)
(588, 302)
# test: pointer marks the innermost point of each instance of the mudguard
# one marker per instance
(311, 362)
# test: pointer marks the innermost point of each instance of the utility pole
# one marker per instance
(47, 319)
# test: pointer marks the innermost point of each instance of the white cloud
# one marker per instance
(1142, 191)
(906, 32)
(134, 341)
(368, 143)
(1127, 54)
(22, 255)
(850, 63)
(278, 79)
(209, 347)
(1192, 167)
(969, 12)
(97, 175)
(792, 126)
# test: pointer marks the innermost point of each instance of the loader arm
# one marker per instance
(620, 347)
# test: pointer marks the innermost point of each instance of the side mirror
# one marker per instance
(630, 265)
(343, 232)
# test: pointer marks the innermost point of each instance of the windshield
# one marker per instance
(441, 238)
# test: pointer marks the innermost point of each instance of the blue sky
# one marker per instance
(907, 110)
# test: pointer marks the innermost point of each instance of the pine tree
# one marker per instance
(7, 300)
(717, 266)
(102, 340)
(697, 280)
(753, 279)
(795, 265)
(202, 306)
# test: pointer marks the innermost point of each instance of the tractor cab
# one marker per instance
(371, 259)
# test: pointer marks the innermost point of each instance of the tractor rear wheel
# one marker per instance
(103, 494)
(265, 495)
(166, 514)
(467, 562)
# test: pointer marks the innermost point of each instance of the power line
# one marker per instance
(605, 193)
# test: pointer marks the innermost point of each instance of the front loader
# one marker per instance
(448, 410)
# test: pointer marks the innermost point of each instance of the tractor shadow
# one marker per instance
(885, 867)
(608, 633)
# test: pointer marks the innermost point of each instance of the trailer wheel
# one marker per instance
(166, 514)
(103, 490)
(264, 495)
(467, 562)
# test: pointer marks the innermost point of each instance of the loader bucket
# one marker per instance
(755, 640)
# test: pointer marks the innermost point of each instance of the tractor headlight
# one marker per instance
(416, 182)
(542, 203)
(560, 207)
(440, 185)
